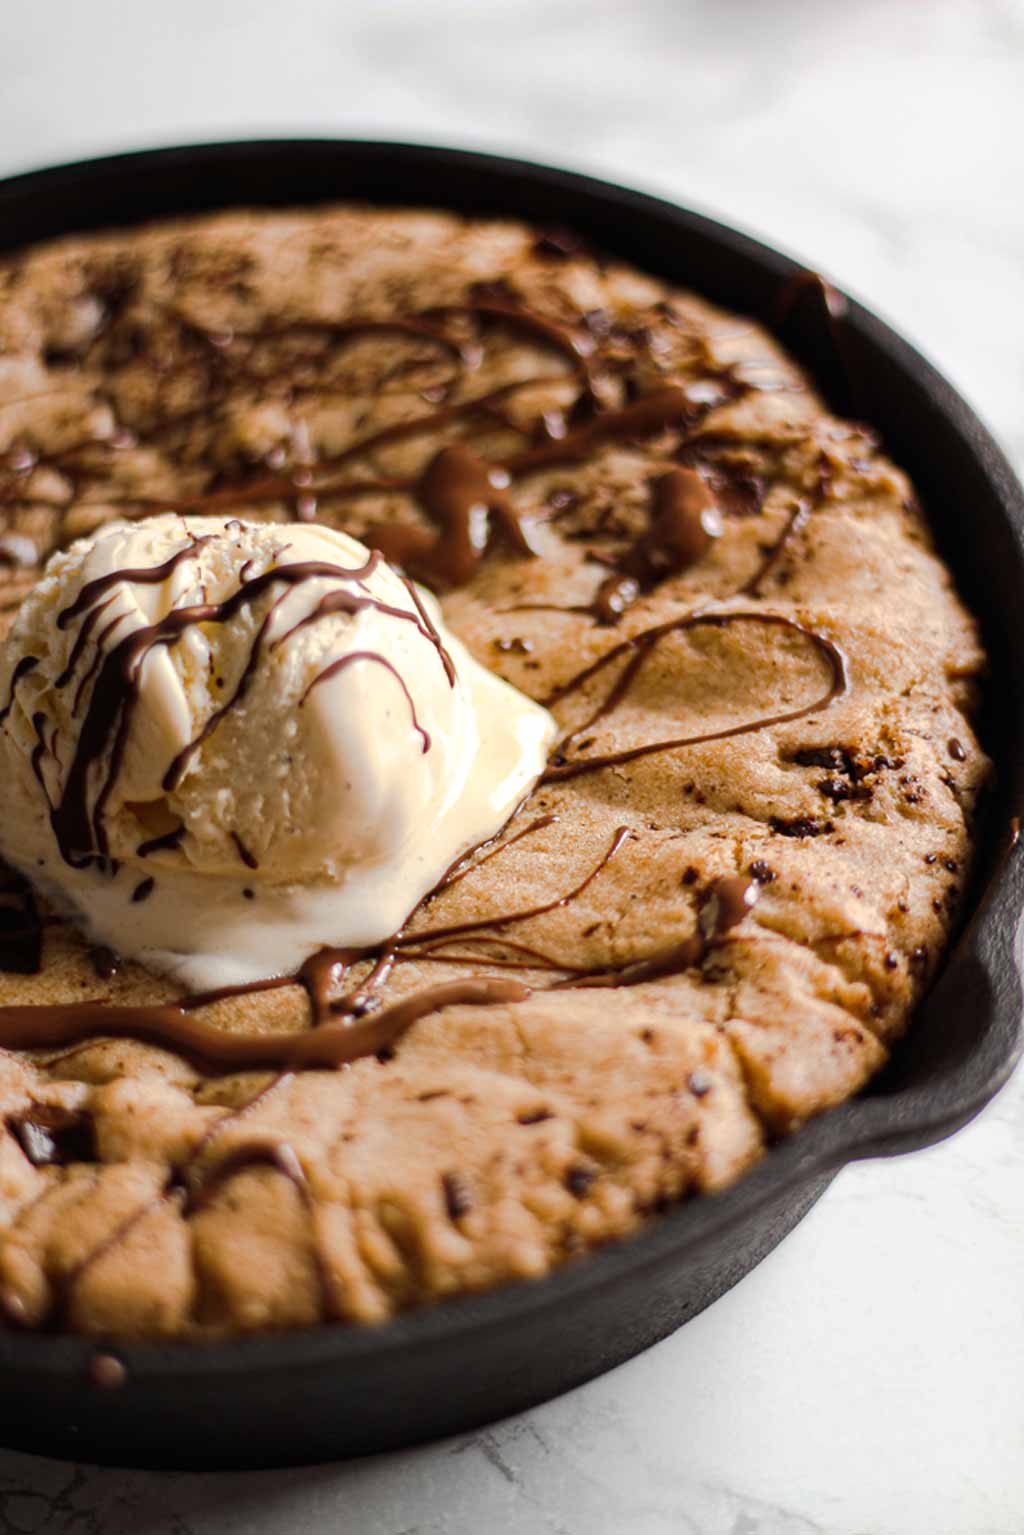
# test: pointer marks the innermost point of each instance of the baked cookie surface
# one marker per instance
(724, 898)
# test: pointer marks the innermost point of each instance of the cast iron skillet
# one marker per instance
(330, 1391)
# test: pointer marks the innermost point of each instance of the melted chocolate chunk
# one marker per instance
(800, 826)
(727, 902)
(685, 521)
(838, 789)
(105, 962)
(514, 647)
(461, 495)
(458, 1196)
(559, 243)
(615, 594)
(579, 1180)
(52, 1137)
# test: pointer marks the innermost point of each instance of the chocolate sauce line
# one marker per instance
(313, 482)
(431, 630)
(722, 906)
(85, 629)
(89, 675)
(147, 575)
(39, 751)
(366, 994)
(576, 348)
(417, 327)
(644, 417)
(107, 1244)
(276, 1154)
(795, 523)
(248, 858)
(454, 876)
(186, 1169)
(725, 903)
(35, 1027)
(167, 842)
(343, 662)
(181, 762)
(532, 958)
(22, 668)
(450, 930)
(319, 976)
(640, 646)
(80, 832)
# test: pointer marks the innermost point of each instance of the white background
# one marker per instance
(868, 1379)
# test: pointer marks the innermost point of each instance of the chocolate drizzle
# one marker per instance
(343, 662)
(166, 843)
(468, 504)
(77, 817)
(458, 929)
(685, 521)
(334, 1044)
(25, 665)
(722, 907)
(248, 858)
(460, 494)
(638, 648)
(149, 575)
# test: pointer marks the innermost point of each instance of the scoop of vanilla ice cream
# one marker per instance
(228, 744)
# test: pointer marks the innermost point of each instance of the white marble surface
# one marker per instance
(868, 1379)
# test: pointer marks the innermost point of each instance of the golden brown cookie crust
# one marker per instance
(495, 1142)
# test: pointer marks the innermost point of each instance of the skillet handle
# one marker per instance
(946, 1074)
